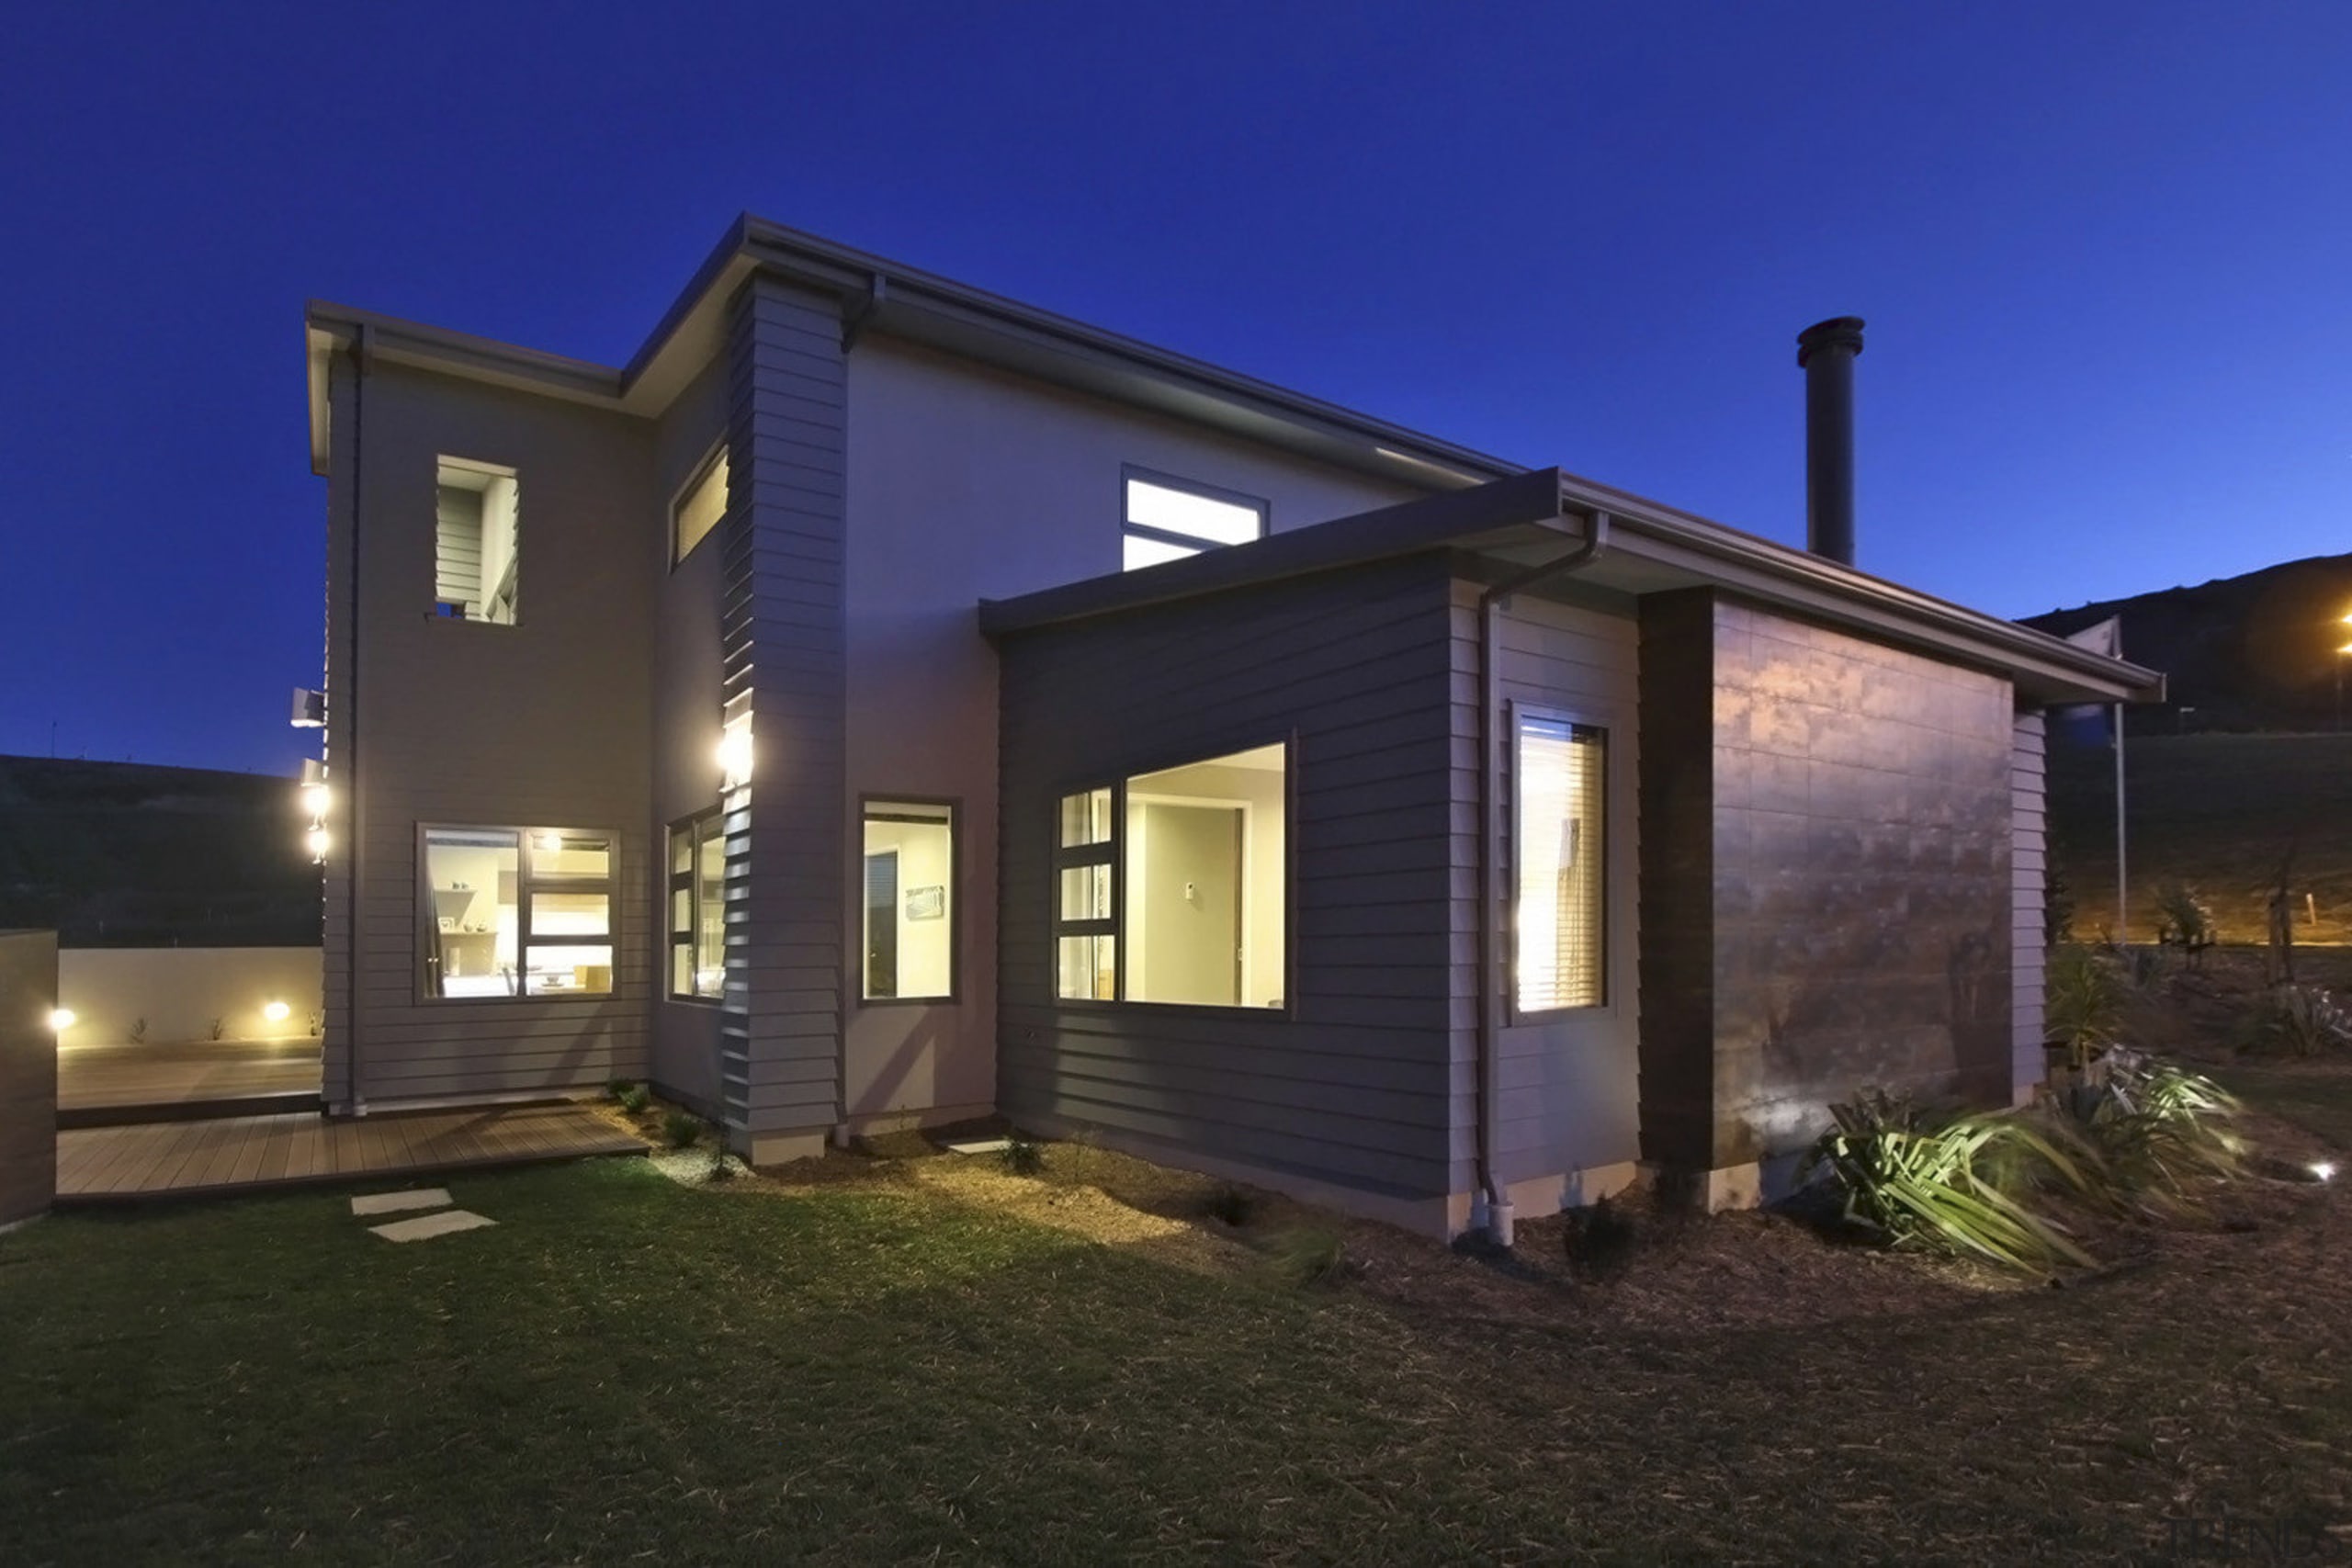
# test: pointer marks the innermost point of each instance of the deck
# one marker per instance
(97, 1084)
(246, 1153)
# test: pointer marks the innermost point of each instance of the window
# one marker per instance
(1186, 869)
(699, 509)
(1559, 924)
(517, 912)
(1170, 519)
(698, 907)
(476, 537)
(909, 897)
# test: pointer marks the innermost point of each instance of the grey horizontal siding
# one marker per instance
(1355, 1086)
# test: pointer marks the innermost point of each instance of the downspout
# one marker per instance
(363, 353)
(1490, 850)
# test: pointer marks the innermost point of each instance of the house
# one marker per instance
(881, 702)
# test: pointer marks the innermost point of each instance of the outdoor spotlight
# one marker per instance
(2325, 1169)
(61, 1019)
(316, 841)
(315, 799)
(275, 1012)
(735, 755)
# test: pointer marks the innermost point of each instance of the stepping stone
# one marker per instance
(395, 1202)
(985, 1147)
(425, 1226)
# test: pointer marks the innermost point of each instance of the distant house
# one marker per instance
(881, 702)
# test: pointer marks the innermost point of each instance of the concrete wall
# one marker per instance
(1827, 897)
(968, 483)
(542, 724)
(28, 1074)
(181, 991)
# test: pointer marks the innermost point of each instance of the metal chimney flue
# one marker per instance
(1826, 354)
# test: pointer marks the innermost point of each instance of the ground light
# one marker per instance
(61, 1019)
(275, 1012)
(2325, 1169)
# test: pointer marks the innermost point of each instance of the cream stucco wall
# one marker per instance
(181, 991)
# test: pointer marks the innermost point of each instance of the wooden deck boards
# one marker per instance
(246, 1153)
(95, 1076)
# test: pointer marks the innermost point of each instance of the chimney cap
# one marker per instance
(1837, 332)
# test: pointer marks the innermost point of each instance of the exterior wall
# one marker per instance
(782, 546)
(2029, 866)
(28, 1075)
(540, 724)
(1840, 831)
(179, 991)
(688, 688)
(1351, 1092)
(968, 483)
(1568, 1084)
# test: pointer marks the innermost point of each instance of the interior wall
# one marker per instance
(1264, 856)
(926, 950)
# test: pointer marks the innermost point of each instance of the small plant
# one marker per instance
(1023, 1157)
(681, 1129)
(1234, 1205)
(1600, 1239)
(634, 1098)
(1310, 1255)
(619, 1088)
(2300, 1020)
(213, 1030)
(2083, 999)
(318, 1022)
(139, 1031)
(1953, 1186)
(2160, 1129)
(2184, 922)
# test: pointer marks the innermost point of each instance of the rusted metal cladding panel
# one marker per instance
(1862, 921)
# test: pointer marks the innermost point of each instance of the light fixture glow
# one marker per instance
(316, 797)
(61, 1019)
(316, 841)
(2325, 1169)
(735, 754)
(275, 1012)
(548, 843)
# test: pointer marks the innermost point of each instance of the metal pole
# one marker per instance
(2122, 920)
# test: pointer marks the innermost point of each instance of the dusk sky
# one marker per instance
(2105, 252)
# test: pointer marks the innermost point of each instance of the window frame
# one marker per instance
(1113, 852)
(1514, 713)
(525, 884)
(1192, 542)
(954, 804)
(695, 475)
(689, 881)
(483, 465)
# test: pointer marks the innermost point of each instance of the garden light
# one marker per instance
(275, 1012)
(2325, 1169)
(61, 1019)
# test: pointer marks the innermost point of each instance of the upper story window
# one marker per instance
(699, 508)
(1167, 519)
(477, 532)
(1559, 910)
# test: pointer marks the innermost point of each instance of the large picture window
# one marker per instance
(516, 912)
(1170, 887)
(699, 908)
(1559, 910)
(909, 897)
(1167, 519)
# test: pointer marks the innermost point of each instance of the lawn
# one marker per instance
(879, 1367)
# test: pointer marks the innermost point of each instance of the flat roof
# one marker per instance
(1649, 548)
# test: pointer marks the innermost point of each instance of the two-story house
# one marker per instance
(882, 703)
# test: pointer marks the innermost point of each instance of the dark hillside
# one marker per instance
(123, 854)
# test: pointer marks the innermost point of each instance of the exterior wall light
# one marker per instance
(316, 798)
(275, 1012)
(315, 841)
(61, 1019)
(735, 754)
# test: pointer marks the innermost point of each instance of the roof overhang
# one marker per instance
(1651, 549)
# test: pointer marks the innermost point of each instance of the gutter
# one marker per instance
(363, 353)
(1491, 739)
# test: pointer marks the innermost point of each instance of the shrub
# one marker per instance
(2301, 1020)
(2159, 1129)
(318, 1022)
(139, 1031)
(680, 1129)
(1023, 1157)
(619, 1088)
(2083, 996)
(1955, 1186)
(1310, 1255)
(213, 1032)
(634, 1098)
(1234, 1205)
(1600, 1239)
(2183, 920)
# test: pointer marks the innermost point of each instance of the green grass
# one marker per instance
(625, 1369)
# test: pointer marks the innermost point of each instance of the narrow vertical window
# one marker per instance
(1169, 519)
(1086, 943)
(699, 508)
(910, 894)
(698, 907)
(477, 539)
(1559, 910)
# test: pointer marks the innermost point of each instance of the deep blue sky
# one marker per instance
(2105, 252)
